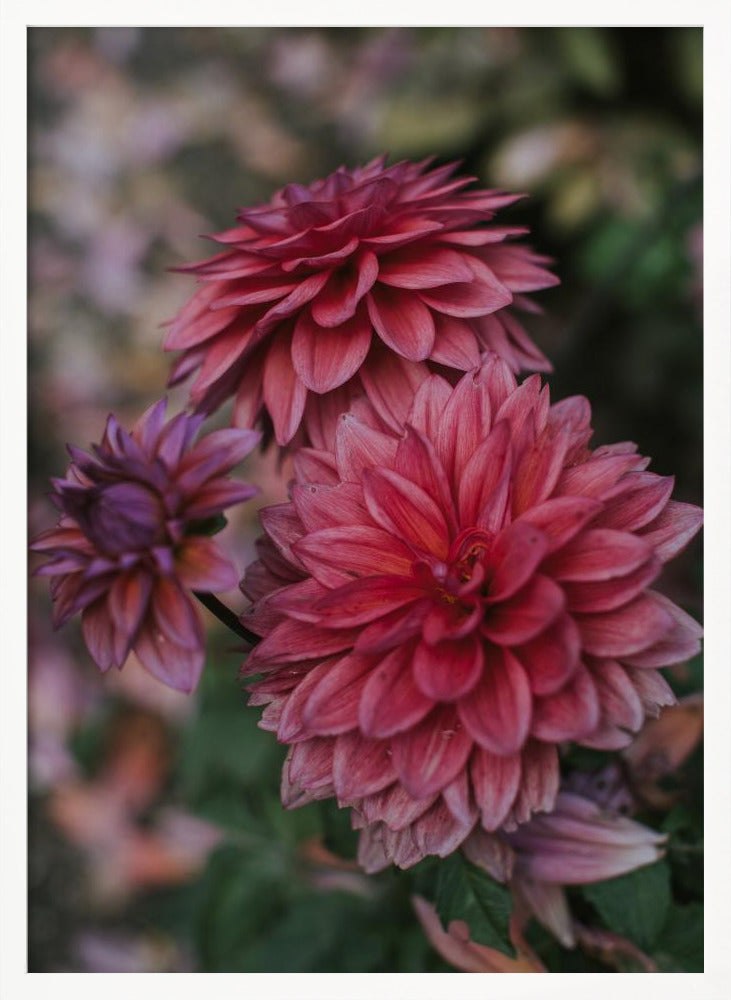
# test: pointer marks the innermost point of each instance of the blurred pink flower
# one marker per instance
(351, 286)
(455, 946)
(131, 540)
(442, 607)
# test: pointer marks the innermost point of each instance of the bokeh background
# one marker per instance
(156, 839)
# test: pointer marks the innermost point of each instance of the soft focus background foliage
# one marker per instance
(157, 842)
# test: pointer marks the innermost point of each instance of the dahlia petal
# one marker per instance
(653, 690)
(620, 704)
(335, 555)
(455, 343)
(282, 524)
(402, 233)
(284, 392)
(200, 565)
(339, 299)
(427, 409)
(594, 477)
(495, 782)
(482, 237)
(364, 600)
(562, 518)
(390, 383)
(672, 529)
(292, 725)
(175, 615)
(407, 511)
(293, 601)
(482, 474)
(485, 293)
(327, 506)
(599, 554)
(539, 780)
(448, 670)
(538, 469)
(424, 267)
(438, 832)
(525, 615)
(680, 643)
(608, 595)
(203, 328)
(360, 766)
(570, 713)
(458, 799)
(497, 712)
(394, 807)
(322, 413)
(249, 397)
(394, 629)
(635, 501)
(462, 425)
(391, 701)
(489, 852)
(429, 756)
(172, 665)
(326, 358)
(551, 658)
(359, 447)
(315, 466)
(516, 554)
(128, 601)
(221, 356)
(216, 496)
(322, 260)
(98, 631)
(303, 292)
(416, 460)
(518, 267)
(293, 641)
(550, 907)
(215, 455)
(402, 322)
(310, 764)
(626, 631)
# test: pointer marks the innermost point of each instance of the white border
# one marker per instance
(14, 17)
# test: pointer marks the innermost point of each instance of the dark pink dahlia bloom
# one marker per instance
(131, 542)
(441, 608)
(350, 286)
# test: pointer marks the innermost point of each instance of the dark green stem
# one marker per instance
(226, 616)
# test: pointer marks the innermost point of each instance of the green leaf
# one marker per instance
(635, 905)
(679, 947)
(209, 526)
(466, 892)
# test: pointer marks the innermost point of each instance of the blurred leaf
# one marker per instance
(634, 905)
(679, 948)
(590, 57)
(466, 892)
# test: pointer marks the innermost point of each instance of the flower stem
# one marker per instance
(226, 616)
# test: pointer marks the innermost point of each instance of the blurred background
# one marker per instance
(157, 842)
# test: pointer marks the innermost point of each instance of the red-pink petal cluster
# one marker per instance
(442, 607)
(131, 542)
(352, 286)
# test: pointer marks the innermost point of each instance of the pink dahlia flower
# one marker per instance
(354, 285)
(442, 607)
(131, 542)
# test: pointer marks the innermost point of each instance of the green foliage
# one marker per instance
(634, 905)
(465, 892)
(679, 948)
